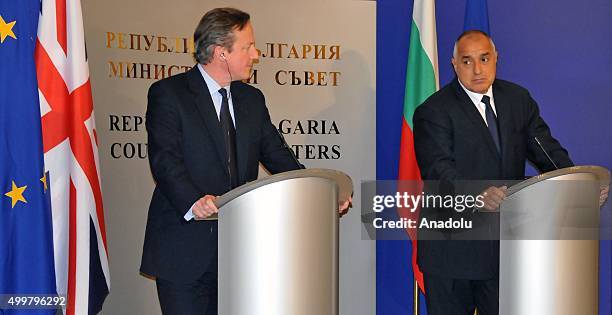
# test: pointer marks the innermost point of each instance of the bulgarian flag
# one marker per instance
(421, 82)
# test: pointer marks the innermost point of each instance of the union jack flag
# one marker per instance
(71, 157)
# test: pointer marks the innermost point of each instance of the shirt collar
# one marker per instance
(476, 97)
(213, 86)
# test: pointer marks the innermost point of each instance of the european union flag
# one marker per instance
(26, 238)
(476, 16)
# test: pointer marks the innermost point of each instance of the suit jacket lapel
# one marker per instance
(504, 119)
(206, 108)
(242, 123)
(470, 110)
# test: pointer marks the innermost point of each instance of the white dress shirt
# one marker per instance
(477, 100)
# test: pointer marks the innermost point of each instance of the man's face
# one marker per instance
(240, 60)
(475, 63)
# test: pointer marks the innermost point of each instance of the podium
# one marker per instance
(278, 244)
(549, 248)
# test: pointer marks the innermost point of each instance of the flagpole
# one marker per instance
(416, 297)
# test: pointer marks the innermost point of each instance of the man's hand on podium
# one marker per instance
(603, 194)
(205, 207)
(493, 197)
(344, 206)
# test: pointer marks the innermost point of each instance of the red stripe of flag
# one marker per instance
(409, 176)
(60, 21)
(72, 251)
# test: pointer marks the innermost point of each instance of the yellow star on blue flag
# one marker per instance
(16, 194)
(6, 29)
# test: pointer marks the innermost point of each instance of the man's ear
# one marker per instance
(454, 63)
(218, 52)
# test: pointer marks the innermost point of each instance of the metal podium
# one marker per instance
(549, 246)
(278, 244)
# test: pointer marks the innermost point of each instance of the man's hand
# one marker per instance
(344, 206)
(205, 207)
(493, 196)
(603, 194)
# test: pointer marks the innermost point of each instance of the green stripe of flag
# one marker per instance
(420, 76)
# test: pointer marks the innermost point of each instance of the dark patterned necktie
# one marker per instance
(491, 122)
(229, 135)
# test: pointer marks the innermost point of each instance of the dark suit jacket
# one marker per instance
(187, 158)
(452, 142)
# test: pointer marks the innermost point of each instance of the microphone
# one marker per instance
(284, 143)
(545, 152)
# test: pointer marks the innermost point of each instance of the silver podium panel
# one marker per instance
(541, 270)
(278, 246)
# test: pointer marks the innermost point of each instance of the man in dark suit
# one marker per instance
(207, 134)
(476, 128)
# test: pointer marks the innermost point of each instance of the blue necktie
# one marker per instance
(491, 122)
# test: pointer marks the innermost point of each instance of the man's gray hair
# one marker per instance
(472, 32)
(216, 28)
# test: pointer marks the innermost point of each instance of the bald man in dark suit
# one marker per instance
(477, 127)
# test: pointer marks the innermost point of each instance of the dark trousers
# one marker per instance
(448, 296)
(197, 297)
